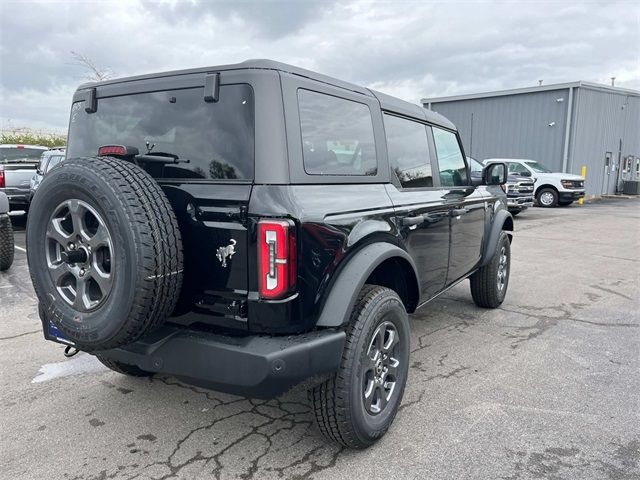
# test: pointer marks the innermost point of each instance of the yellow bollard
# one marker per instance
(584, 175)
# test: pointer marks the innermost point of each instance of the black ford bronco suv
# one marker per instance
(250, 227)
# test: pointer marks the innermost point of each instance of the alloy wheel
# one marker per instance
(503, 269)
(79, 252)
(381, 368)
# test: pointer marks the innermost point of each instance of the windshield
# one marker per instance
(212, 140)
(537, 167)
(12, 154)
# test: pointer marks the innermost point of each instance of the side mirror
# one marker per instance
(525, 173)
(495, 174)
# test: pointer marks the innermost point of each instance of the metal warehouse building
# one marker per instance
(564, 126)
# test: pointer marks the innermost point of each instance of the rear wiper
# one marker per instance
(160, 157)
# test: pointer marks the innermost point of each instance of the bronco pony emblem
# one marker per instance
(226, 252)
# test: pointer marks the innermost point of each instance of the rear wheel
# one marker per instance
(6, 243)
(357, 404)
(124, 368)
(547, 197)
(489, 284)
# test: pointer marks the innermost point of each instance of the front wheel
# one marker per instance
(489, 284)
(547, 197)
(356, 405)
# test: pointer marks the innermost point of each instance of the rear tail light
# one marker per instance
(1, 178)
(277, 258)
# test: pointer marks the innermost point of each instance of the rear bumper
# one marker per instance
(570, 195)
(17, 196)
(255, 366)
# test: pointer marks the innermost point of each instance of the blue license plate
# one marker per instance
(56, 335)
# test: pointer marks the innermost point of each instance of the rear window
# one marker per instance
(216, 138)
(337, 135)
(12, 154)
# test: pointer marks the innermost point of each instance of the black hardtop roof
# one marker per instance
(387, 102)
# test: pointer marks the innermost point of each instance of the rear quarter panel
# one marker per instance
(333, 221)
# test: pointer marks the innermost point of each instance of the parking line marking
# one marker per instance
(20, 248)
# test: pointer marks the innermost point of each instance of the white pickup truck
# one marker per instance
(551, 188)
(17, 165)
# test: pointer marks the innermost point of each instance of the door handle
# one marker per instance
(456, 212)
(411, 221)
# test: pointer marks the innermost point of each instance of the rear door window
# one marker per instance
(451, 164)
(408, 151)
(211, 140)
(337, 135)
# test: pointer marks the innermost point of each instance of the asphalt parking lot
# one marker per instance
(547, 386)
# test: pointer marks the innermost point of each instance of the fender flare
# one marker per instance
(492, 240)
(339, 302)
(4, 203)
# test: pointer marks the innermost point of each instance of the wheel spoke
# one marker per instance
(55, 232)
(369, 393)
(80, 302)
(100, 238)
(103, 280)
(392, 342)
(77, 211)
(371, 360)
(392, 368)
(58, 272)
(382, 398)
(382, 329)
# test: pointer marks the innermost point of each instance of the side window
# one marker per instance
(453, 170)
(337, 135)
(408, 152)
(517, 168)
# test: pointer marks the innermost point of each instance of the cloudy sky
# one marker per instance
(411, 49)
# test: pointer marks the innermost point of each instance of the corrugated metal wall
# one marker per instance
(512, 126)
(604, 121)
(517, 126)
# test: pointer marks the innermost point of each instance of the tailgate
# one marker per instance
(18, 175)
(213, 223)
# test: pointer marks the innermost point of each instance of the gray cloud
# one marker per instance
(408, 49)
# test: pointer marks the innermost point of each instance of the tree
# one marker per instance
(94, 73)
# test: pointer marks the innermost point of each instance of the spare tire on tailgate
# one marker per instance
(104, 252)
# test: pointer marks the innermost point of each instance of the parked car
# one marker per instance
(551, 188)
(17, 166)
(6, 234)
(250, 227)
(48, 160)
(519, 189)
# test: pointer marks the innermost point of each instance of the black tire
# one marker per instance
(547, 198)
(141, 257)
(485, 283)
(338, 404)
(565, 204)
(124, 368)
(6, 243)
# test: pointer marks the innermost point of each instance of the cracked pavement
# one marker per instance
(547, 386)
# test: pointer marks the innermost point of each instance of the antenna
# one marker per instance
(613, 81)
(539, 82)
